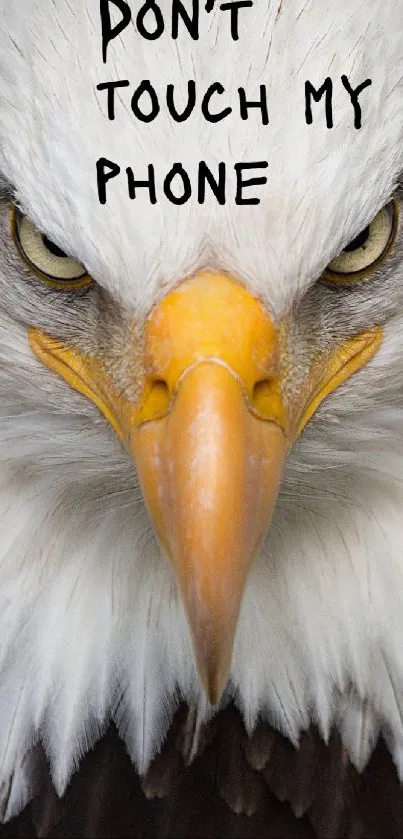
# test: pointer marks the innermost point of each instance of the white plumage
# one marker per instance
(91, 625)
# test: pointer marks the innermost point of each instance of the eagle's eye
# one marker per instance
(45, 259)
(364, 253)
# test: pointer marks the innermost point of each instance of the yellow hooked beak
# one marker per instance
(209, 434)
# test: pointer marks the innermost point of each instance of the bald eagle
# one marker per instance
(201, 425)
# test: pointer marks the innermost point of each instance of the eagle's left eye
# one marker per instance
(45, 259)
(364, 253)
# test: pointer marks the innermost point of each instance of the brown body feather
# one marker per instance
(258, 787)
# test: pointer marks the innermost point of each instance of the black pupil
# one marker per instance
(359, 241)
(53, 248)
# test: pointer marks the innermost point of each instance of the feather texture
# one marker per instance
(310, 792)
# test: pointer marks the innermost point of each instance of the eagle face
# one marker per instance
(201, 406)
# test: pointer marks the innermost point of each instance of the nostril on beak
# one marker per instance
(262, 394)
(158, 399)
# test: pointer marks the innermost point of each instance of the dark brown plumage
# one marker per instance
(258, 788)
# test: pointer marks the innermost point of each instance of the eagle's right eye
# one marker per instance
(367, 250)
(45, 259)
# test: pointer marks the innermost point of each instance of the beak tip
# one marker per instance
(214, 692)
(214, 678)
